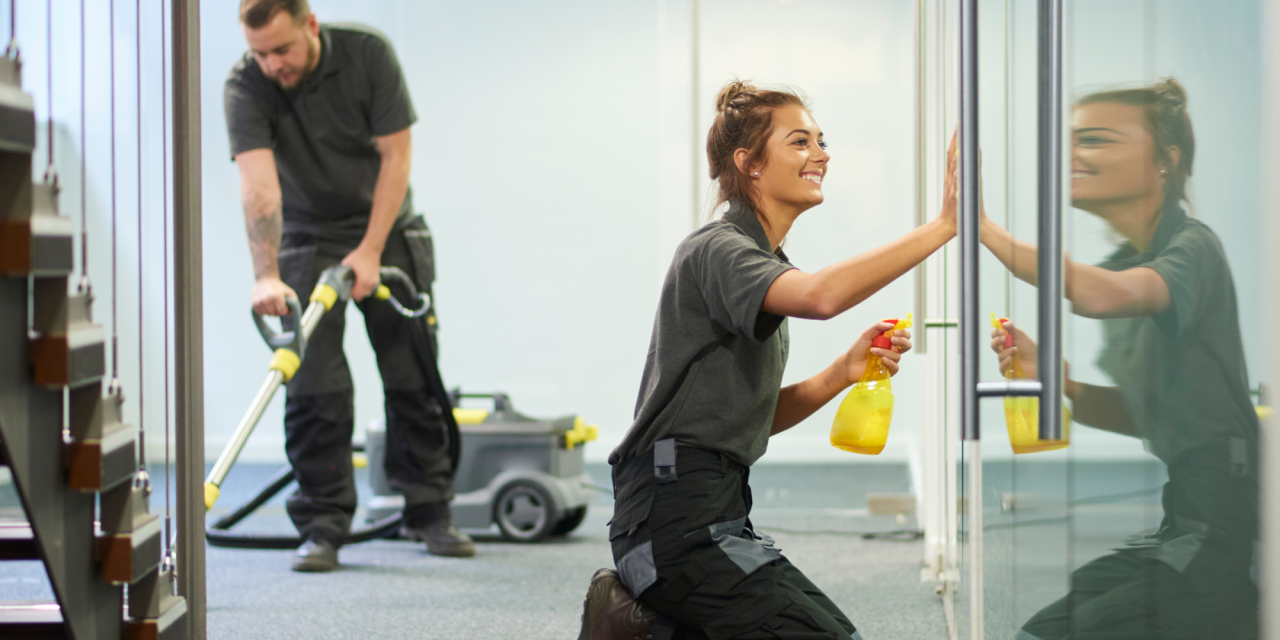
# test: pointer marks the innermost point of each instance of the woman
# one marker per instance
(711, 398)
(1172, 345)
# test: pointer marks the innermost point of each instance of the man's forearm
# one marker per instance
(264, 220)
(388, 197)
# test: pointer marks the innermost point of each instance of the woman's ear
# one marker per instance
(740, 160)
(1175, 158)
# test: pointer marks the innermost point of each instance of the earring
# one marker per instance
(1162, 172)
(757, 174)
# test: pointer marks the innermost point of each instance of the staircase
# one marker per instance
(76, 470)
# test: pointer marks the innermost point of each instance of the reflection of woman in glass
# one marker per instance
(1173, 348)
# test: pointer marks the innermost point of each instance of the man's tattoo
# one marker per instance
(264, 242)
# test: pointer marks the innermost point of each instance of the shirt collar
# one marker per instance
(741, 215)
(1172, 217)
(328, 64)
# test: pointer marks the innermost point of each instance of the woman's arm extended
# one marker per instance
(798, 401)
(837, 288)
(1094, 292)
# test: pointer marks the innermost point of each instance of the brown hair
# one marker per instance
(1165, 105)
(255, 14)
(744, 119)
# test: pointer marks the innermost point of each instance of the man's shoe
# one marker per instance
(316, 556)
(442, 538)
(610, 613)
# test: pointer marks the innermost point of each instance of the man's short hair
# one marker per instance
(255, 14)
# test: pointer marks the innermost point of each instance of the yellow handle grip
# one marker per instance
(211, 493)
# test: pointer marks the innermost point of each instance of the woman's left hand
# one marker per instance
(855, 359)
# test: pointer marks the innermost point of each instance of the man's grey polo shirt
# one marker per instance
(323, 131)
(715, 362)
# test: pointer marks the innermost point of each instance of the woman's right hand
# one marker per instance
(1023, 346)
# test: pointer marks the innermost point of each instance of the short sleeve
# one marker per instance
(734, 274)
(391, 109)
(1189, 265)
(248, 123)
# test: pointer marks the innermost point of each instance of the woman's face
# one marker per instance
(1112, 155)
(796, 161)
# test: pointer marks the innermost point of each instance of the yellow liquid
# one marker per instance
(862, 422)
(1022, 417)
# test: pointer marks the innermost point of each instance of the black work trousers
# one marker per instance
(685, 544)
(1191, 579)
(319, 412)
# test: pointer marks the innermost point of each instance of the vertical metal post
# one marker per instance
(921, 135)
(697, 111)
(188, 310)
(1269, 465)
(969, 218)
(1050, 223)
(969, 314)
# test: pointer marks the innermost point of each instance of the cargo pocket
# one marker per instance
(636, 567)
(421, 252)
(750, 551)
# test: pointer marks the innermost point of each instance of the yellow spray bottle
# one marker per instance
(1022, 414)
(862, 421)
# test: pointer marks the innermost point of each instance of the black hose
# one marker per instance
(219, 534)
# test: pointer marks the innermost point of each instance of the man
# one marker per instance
(319, 119)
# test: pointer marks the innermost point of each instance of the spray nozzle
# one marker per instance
(998, 323)
(885, 340)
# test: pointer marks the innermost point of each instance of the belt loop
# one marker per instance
(664, 461)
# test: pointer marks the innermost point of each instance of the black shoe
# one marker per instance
(442, 538)
(316, 556)
(610, 613)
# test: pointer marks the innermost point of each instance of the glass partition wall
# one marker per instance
(1144, 524)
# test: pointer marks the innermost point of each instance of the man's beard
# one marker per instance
(299, 75)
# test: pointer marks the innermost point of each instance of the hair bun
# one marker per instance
(1171, 93)
(731, 92)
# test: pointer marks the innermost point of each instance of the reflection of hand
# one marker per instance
(950, 187)
(855, 359)
(268, 297)
(364, 264)
(1023, 346)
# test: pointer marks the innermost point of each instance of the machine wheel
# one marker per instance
(524, 512)
(570, 521)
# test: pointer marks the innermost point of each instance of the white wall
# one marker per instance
(95, 182)
(552, 160)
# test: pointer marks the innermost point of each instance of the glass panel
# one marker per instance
(1166, 191)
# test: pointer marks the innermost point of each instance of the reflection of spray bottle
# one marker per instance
(1022, 414)
(862, 422)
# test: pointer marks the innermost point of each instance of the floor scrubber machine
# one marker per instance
(524, 475)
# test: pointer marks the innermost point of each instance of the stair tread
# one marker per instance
(17, 541)
(30, 612)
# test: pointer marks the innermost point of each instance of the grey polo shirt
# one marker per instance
(322, 132)
(715, 361)
(1182, 372)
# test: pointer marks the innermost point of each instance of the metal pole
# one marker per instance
(969, 218)
(697, 109)
(921, 135)
(1050, 193)
(188, 310)
(969, 314)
